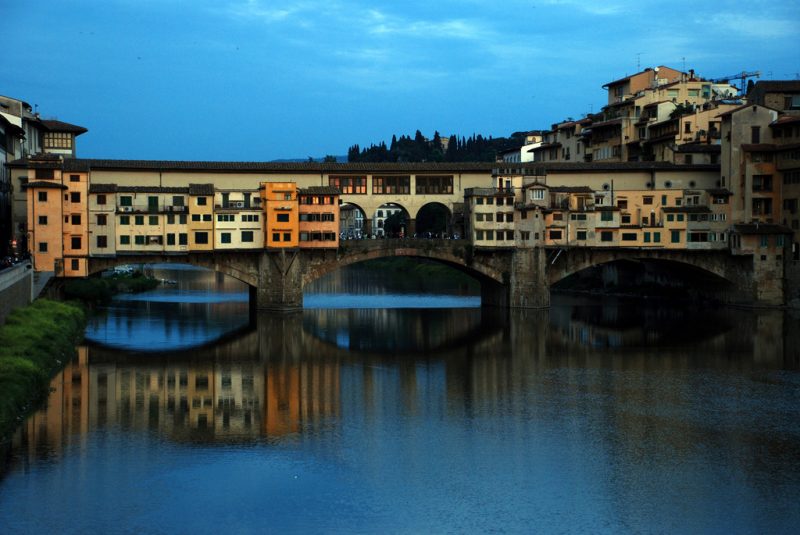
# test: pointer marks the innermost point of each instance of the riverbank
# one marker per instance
(102, 289)
(35, 342)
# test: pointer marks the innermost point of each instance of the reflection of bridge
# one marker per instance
(509, 277)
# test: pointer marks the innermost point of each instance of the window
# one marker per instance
(663, 200)
(152, 220)
(581, 235)
(42, 246)
(182, 219)
(171, 238)
(478, 200)
(628, 236)
(102, 242)
(42, 219)
(247, 236)
(276, 236)
(195, 217)
(606, 216)
(626, 219)
(622, 204)
(126, 200)
(779, 240)
(284, 218)
(226, 217)
(43, 196)
(225, 237)
(206, 217)
(74, 178)
(170, 219)
(124, 240)
(102, 220)
(555, 234)
(680, 217)
(646, 237)
(75, 242)
(647, 200)
(762, 182)
(606, 236)
(675, 236)
(101, 199)
(434, 185)
(138, 220)
(201, 238)
(687, 127)
(76, 219)
(183, 238)
(349, 184)
(764, 241)
(76, 264)
(202, 201)
(537, 194)
(478, 235)
(287, 236)
(670, 217)
(138, 240)
(755, 134)
(44, 174)
(388, 185)
(250, 218)
(75, 196)
(656, 237)
(177, 200)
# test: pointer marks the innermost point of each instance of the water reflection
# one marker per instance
(199, 308)
(591, 416)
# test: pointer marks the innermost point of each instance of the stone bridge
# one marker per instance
(509, 277)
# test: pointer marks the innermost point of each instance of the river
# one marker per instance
(409, 409)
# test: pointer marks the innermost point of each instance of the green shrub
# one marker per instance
(36, 341)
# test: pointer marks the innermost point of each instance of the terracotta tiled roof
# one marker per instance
(201, 189)
(44, 184)
(761, 228)
(319, 190)
(700, 147)
(60, 126)
(687, 209)
(571, 189)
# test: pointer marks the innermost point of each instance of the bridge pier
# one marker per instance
(525, 285)
(280, 281)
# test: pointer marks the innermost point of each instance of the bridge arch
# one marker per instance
(353, 220)
(243, 268)
(710, 271)
(434, 217)
(484, 273)
(385, 223)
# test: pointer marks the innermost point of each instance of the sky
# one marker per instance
(259, 80)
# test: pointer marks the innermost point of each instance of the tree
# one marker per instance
(329, 159)
(393, 224)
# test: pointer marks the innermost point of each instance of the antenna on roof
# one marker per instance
(638, 61)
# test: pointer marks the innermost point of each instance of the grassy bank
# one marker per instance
(101, 289)
(34, 343)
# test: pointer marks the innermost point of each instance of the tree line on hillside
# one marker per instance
(420, 149)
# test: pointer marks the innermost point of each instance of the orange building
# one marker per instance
(57, 225)
(319, 217)
(282, 222)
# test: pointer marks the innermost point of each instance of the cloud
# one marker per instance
(751, 25)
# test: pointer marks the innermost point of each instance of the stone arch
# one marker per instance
(420, 223)
(351, 226)
(380, 215)
(485, 274)
(716, 264)
(242, 267)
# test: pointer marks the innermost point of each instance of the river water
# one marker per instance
(412, 410)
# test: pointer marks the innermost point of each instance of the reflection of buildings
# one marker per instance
(217, 399)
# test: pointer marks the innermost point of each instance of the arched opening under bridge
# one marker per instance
(647, 277)
(434, 220)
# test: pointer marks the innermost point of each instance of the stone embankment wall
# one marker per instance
(16, 289)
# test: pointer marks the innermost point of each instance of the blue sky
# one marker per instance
(261, 80)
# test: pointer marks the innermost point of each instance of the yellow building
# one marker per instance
(201, 217)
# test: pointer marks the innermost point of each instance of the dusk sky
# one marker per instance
(255, 80)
